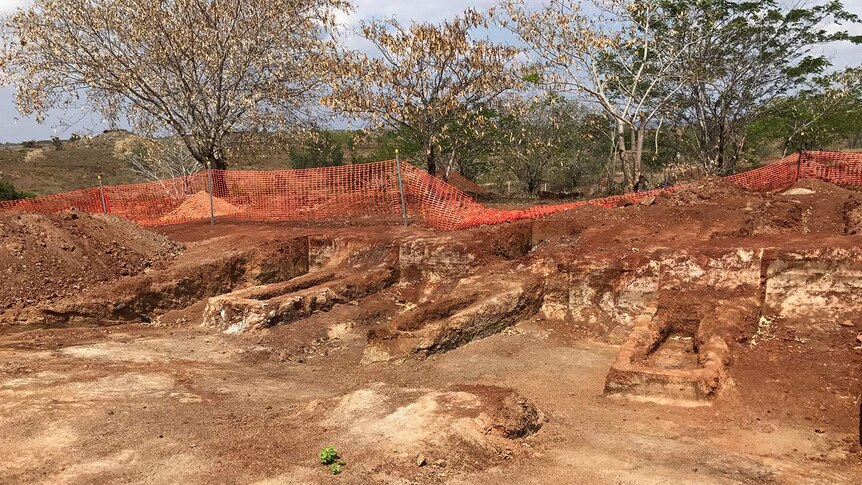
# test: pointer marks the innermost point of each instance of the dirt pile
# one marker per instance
(709, 189)
(466, 185)
(820, 188)
(197, 206)
(105, 140)
(827, 208)
(711, 209)
(44, 257)
(464, 426)
(854, 220)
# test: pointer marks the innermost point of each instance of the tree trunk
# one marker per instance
(432, 162)
(739, 153)
(637, 173)
(622, 154)
(719, 160)
(219, 165)
(629, 174)
(203, 154)
(633, 156)
(630, 158)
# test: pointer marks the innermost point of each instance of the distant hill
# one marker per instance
(39, 167)
(75, 166)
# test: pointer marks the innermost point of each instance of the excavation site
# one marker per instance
(709, 334)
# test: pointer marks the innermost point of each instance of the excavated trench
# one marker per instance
(679, 342)
(199, 273)
(677, 315)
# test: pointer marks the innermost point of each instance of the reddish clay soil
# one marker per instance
(486, 358)
(713, 211)
(466, 185)
(197, 206)
(45, 257)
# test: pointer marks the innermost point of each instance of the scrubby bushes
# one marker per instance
(8, 192)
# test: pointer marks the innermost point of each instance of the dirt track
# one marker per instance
(494, 353)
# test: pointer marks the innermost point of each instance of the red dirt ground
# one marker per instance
(197, 206)
(51, 256)
(176, 402)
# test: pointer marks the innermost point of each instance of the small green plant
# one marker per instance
(329, 456)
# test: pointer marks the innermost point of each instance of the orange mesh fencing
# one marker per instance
(445, 207)
(351, 193)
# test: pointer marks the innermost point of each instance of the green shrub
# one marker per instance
(329, 456)
(320, 151)
(8, 192)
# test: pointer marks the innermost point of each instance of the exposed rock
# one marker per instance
(480, 308)
(421, 422)
(798, 191)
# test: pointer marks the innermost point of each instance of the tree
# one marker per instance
(740, 56)
(613, 58)
(466, 143)
(426, 79)
(199, 69)
(383, 143)
(159, 161)
(320, 150)
(542, 137)
(814, 117)
(8, 192)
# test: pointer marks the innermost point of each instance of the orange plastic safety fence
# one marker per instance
(354, 192)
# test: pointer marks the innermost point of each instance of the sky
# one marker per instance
(16, 128)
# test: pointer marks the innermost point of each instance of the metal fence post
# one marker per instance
(400, 187)
(102, 196)
(210, 190)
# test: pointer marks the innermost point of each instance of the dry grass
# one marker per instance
(78, 164)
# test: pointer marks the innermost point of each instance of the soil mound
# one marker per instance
(105, 140)
(818, 188)
(197, 206)
(44, 257)
(827, 208)
(853, 220)
(466, 426)
(466, 185)
(507, 414)
(588, 213)
(709, 189)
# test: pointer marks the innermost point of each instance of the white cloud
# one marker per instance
(406, 11)
(842, 54)
(7, 6)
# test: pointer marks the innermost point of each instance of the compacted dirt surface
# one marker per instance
(711, 335)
